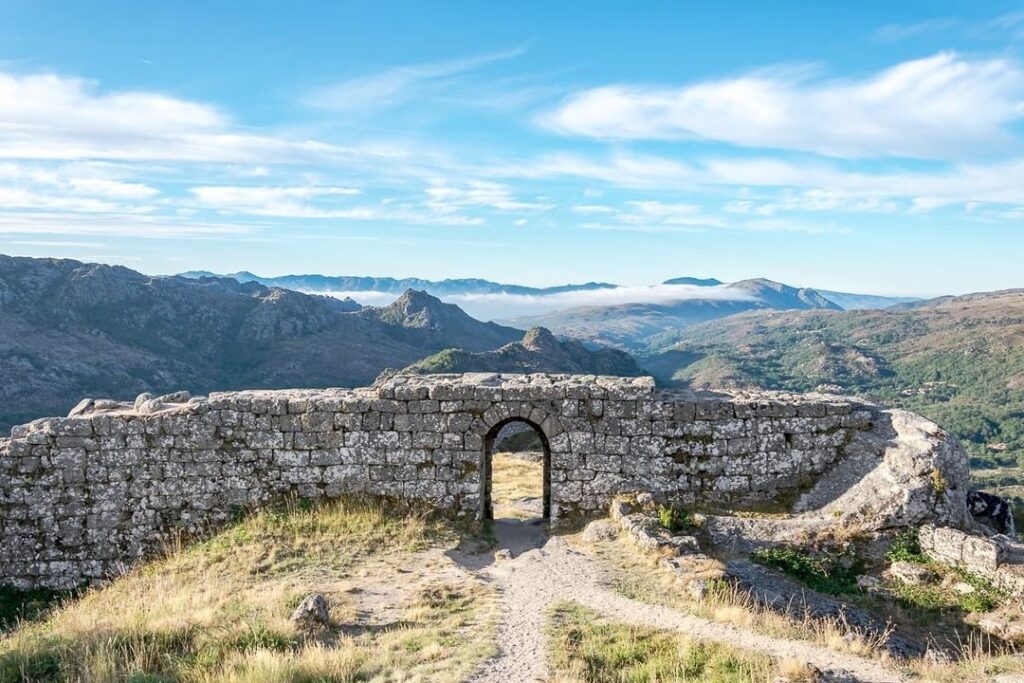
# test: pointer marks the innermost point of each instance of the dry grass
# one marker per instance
(219, 610)
(638, 577)
(514, 481)
(586, 648)
(978, 659)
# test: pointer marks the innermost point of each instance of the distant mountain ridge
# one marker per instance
(344, 283)
(315, 283)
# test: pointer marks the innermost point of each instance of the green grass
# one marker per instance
(825, 574)
(940, 597)
(584, 648)
(905, 547)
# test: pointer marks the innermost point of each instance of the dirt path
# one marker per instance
(544, 571)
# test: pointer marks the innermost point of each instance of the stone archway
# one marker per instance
(486, 483)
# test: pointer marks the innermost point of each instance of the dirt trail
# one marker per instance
(544, 571)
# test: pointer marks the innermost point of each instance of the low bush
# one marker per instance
(674, 519)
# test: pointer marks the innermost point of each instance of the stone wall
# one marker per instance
(83, 496)
(997, 558)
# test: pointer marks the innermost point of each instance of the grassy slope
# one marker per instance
(959, 362)
(219, 611)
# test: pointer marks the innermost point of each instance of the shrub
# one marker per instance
(673, 518)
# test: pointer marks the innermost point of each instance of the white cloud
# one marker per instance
(891, 33)
(401, 83)
(324, 202)
(592, 208)
(114, 189)
(493, 306)
(446, 198)
(114, 224)
(931, 108)
(48, 116)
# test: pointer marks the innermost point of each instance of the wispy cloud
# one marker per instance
(116, 225)
(402, 83)
(941, 106)
(328, 202)
(49, 116)
(447, 198)
(892, 33)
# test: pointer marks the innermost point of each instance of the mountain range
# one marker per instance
(70, 330)
(633, 325)
(438, 288)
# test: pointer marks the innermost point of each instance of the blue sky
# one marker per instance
(868, 146)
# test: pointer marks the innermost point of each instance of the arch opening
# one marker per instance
(516, 472)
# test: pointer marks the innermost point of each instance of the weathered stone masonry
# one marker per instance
(83, 496)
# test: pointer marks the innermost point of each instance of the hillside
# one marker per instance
(539, 351)
(70, 329)
(957, 360)
(635, 327)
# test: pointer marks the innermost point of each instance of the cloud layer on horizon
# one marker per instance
(508, 306)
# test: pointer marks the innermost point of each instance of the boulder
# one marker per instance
(313, 612)
(84, 406)
(600, 530)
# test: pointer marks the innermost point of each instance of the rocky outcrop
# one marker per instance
(903, 472)
(539, 351)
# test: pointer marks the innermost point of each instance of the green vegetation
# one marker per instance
(219, 611)
(586, 649)
(823, 573)
(906, 547)
(941, 597)
(958, 362)
(674, 519)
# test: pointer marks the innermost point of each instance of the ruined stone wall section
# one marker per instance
(84, 496)
(997, 558)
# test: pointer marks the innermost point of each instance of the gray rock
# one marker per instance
(867, 582)
(312, 612)
(83, 406)
(910, 573)
(600, 530)
(176, 397)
